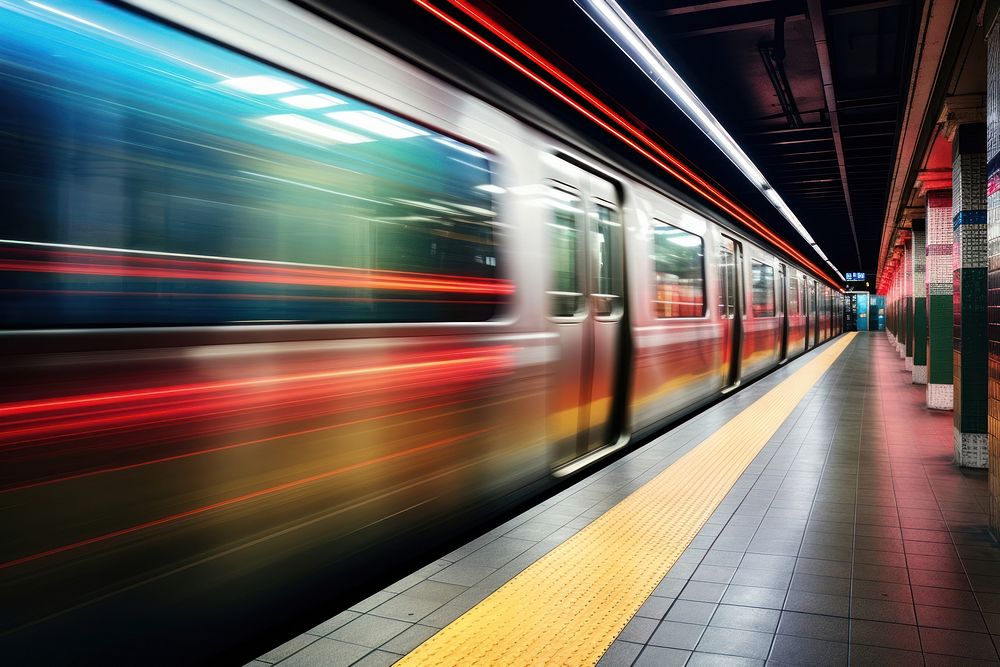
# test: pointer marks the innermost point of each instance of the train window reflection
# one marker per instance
(566, 298)
(679, 272)
(762, 286)
(607, 255)
(152, 178)
(793, 296)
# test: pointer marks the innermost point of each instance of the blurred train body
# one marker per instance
(275, 299)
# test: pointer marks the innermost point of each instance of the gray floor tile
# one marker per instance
(405, 607)
(324, 652)
(462, 574)
(728, 641)
(832, 628)
(655, 607)
(703, 591)
(699, 659)
(802, 651)
(409, 639)
(638, 630)
(620, 654)
(688, 611)
(372, 631)
(378, 659)
(677, 635)
(294, 644)
(332, 624)
(746, 618)
(655, 656)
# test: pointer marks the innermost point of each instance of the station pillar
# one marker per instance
(919, 288)
(993, 267)
(968, 140)
(906, 351)
(940, 320)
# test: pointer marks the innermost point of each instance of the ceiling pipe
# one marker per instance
(815, 10)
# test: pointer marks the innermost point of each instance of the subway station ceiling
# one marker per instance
(811, 89)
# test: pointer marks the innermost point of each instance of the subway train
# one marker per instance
(278, 303)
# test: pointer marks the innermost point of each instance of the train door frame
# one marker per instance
(783, 304)
(814, 294)
(593, 337)
(731, 309)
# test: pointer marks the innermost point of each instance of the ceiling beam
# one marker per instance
(815, 10)
(705, 7)
(865, 7)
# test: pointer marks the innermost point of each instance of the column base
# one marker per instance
(908, 364)
(940, 397)
(972, 450)
(920, 375)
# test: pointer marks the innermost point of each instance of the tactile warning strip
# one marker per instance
(568, 607)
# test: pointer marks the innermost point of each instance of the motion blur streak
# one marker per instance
(240, 499)
(100, 264)
(452, 357)
(675, 168)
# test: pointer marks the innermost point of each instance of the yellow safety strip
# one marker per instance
(568, 607)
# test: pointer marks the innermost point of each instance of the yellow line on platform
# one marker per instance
(568, 607)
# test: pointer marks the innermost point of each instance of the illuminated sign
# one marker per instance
(855, 276)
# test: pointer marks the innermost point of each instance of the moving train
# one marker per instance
(277, 302)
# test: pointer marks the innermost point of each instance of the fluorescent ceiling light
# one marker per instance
(372, 121)
(314, 128)
(492, 189)
(261, 85)
(312, 101)
(617, 25)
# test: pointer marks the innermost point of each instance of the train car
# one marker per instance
(277, 303)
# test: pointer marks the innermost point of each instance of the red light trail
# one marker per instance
(137, 266)
(669, 163)
(271, 490)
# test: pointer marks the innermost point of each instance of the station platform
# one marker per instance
(814, 517)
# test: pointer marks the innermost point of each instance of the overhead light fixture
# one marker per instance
(261, 85)
(312, 101)
(376, 123)
(314, 128)
(620, 28)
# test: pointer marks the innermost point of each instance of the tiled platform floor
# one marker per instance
(850, 538)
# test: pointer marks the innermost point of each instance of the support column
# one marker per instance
(919, 302)
(993, 268)
(906, 286)
(940, 320)
(969, 278)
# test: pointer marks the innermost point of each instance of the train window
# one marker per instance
(679, 272)
(606, 235)
(793, 295)
(565, 297)
(153, 178)
(762, 287)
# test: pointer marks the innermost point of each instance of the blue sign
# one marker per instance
(855, 276)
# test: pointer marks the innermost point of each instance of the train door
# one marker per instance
(586, 309)
(731, 309)
(783, 304)
(814, 313)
